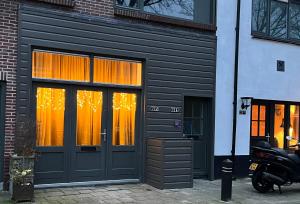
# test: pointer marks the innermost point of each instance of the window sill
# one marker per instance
(137, 14)
(265, 37)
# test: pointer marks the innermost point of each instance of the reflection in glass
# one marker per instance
(279, 126)
(294, 125)
(117, 72)
(60, 66)
(260, 15)
(176, 8)
(127, 3)
(278, 19)
(294, 31)
(89, 118)
(50, 112)
(124, 113)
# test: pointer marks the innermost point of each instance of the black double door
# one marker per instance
(99, 129)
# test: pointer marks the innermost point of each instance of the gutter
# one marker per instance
(236, 71)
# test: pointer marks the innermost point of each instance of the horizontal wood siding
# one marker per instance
(169, 163)
(177, 62)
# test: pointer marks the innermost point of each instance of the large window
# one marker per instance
(196, 10)
(276, 19)
(124, 113)
(50, 114)
(70, 67)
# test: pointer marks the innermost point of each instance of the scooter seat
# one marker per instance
(295, 158)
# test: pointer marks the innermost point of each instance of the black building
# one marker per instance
(98, 88)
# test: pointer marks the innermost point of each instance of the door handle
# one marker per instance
(104, 135)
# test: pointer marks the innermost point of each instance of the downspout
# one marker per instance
(236, 71)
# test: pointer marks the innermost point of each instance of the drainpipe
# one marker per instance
(236, 71)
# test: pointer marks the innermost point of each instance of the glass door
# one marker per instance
(88, 135)
(123, 135)
(279, 126)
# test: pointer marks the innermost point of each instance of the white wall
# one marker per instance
(258, 77)
(225, 75)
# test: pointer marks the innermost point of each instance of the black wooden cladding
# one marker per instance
(177, 62)
(169, 163)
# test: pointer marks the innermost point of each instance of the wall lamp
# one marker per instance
(246, 103)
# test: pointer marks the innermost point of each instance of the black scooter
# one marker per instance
(273, 166)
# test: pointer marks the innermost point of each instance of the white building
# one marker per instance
(268, 72)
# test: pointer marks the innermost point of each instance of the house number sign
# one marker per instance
(154, 108)
(175, 109)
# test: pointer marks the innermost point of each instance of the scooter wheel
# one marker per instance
(259, 183)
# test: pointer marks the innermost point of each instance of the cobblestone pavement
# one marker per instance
(204, 192)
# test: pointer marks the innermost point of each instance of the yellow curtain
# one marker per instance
(117, 72)
(60, 66)
(89, 117)
(124, 113)
(50, 116)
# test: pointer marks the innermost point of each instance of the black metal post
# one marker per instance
(226, 191)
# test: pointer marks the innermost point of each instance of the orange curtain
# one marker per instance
(117, 72)
(124, 111)
(50, 116)
(60, 66)
(89, 117)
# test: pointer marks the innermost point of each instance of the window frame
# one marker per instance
(258, 120)
(196, 17)
(91, 82)
(267, 35)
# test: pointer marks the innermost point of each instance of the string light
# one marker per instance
(49, 97)
(126, 101)
(88, 97)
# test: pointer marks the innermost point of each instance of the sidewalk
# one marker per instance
(204, 192)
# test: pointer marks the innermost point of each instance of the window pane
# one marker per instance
(260, 16)
(60, 66)
(254, 112)
(187, 126)
(196, 126)
(176, 8)
(262, 113)
(278, 19)
(128, 3)
(117, 72)
(89, 117)
(254, 128)
(262, 128)
(294, 21)
(279, 126)
(124, 110)
(294, 124)
(50, 112)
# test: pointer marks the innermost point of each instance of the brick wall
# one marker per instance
(8, 64)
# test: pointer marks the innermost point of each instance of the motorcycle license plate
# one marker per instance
(253, 166)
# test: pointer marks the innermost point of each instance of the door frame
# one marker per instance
(270, 106)
(70, 125)
(211, 138)
(2, 127)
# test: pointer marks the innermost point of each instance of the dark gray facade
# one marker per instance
(176, 63)
(169, 163)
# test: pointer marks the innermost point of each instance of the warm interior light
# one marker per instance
(117, 72)
(124, 113)
(89, 117)
(278, 129)
(50, 111)
(60, 66)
